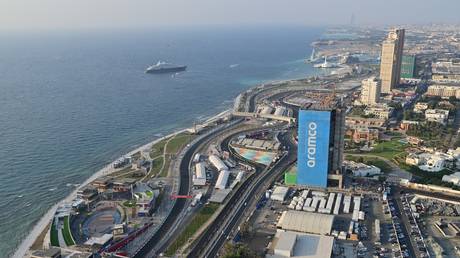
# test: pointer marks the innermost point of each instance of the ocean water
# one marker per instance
(70, 102)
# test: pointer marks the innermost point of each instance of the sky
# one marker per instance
(81, 14)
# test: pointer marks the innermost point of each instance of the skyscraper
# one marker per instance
(320, 151)
(390, 60)
(370, 91)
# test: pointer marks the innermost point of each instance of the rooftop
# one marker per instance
(301, 245)
(306, 222)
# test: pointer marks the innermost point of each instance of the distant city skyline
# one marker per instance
(67, 14)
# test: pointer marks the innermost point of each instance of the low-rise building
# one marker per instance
(355, 122)
(257, 144)
(144, 204)
(453, 178)
(306, 222)
(444, 91)
(414, 140)
(365, 135)
(405, 124)
(88, 194)
(437, 115)
(199, 177)
(301, 245)
(279, 193)
(431, 162)
(420, 107)
(414, 159)
(361, 169)
(379, 111)
(435, 162)
(123, 185)
(102, 184)
(446, 71)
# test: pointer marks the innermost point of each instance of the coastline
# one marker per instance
(28, 241)
(41, 225)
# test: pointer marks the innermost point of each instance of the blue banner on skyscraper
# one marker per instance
(313, 149)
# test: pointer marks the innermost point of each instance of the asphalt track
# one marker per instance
(223, 225)
(179, 205)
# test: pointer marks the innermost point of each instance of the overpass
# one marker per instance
(288, 119)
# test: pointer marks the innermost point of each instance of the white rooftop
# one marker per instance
(279, 193)
(301, 245)
(99, 240)
(306, 222)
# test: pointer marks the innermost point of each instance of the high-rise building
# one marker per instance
(408, 67)
(390, 60)
(320, 149)
(370, 91)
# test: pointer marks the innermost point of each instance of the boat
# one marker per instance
(326, 64)
(163, 67)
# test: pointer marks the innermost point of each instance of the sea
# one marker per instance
(73, 101)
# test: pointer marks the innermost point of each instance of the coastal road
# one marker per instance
(187, 215)
(149, 249)
(243, 200)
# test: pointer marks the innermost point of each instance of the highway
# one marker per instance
(244, 199)
(150, 249)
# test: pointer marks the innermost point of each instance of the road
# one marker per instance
(149, 249)
(187, 214)
(405, 225)
(246, 197)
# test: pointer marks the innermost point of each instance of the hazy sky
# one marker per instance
(68, 14)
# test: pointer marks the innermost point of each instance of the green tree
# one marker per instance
(238, 250)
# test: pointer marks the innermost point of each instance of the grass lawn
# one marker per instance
(371, 161)
(54, 239)
(164, 172)
(123, 171)
(205, 213)
(178, 142)
(157, 149)
(388, 149)
(156, 167)
(149, 193)
(66, 232)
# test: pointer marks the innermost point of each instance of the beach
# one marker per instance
(107, 170)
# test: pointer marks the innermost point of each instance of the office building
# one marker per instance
(408, 67)
(390, 60)
(321, 137)
(370, 91)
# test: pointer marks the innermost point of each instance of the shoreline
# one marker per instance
(43, 222)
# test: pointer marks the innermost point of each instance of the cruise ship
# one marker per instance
(163, 67)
